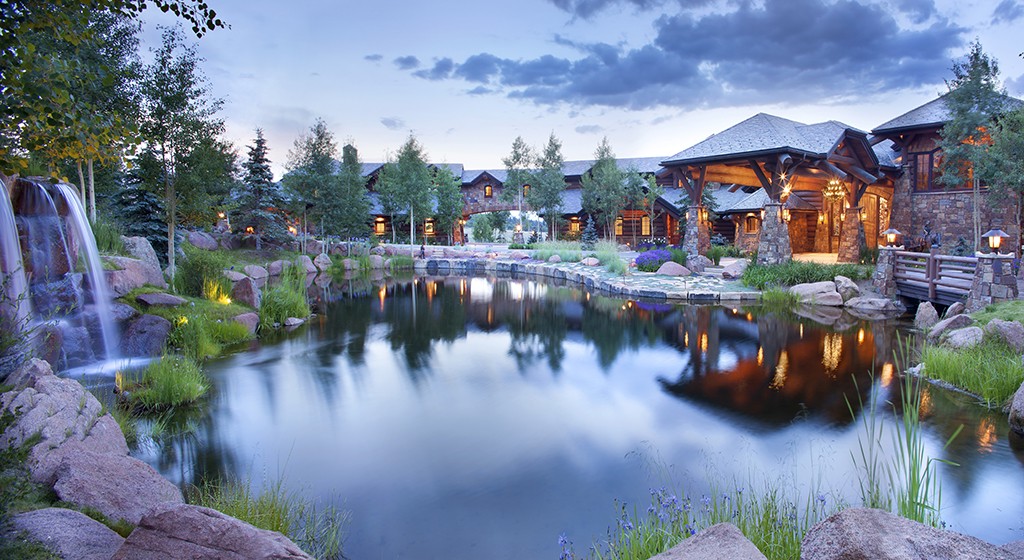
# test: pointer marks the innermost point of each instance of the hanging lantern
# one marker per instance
(834, 190)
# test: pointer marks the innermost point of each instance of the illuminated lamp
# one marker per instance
(890, 236)
(995, 238)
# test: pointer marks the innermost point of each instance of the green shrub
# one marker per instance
(316, 531)
(200, 270)
(568, 251)
(588, 240)
(799, 272)
(781, 298)
(402, 262)
(192, 337)
(715, 253)
(169, 382)
(678, 255)
(285, 299)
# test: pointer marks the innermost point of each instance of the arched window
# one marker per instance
(645, 225)
(488, 191)
(526, 190)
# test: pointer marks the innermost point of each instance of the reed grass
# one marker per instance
(607, 253)
(317, 530)
(285, 299)
(170, 382)
(992, 370)
(798, 272)
(778, 298)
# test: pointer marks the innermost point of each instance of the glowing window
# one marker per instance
(645, 225)
(618, 225)
(526, 190)
(751, 224)
(574, 225)
(428, 227)
(488, 191)
(378, 226)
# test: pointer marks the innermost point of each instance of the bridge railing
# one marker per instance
(933, 276)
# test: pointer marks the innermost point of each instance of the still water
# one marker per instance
(481, 418)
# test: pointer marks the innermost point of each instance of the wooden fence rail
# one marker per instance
(942, 279)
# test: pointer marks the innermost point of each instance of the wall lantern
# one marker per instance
(220, 215)
(784, 215)
(995, 238)
(703, 214)
(762, 214)
(821, 217)
(890, 236)
(864, 214)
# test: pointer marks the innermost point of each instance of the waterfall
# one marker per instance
(97, 278)
(15, 302)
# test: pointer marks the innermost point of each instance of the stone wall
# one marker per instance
(773, 247)
(947, 214)
(744, 241)
(800, 232)
(477, 201)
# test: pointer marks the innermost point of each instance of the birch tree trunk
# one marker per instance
(81, 180)
(92, 193)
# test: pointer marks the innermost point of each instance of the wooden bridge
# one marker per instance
(942, 279)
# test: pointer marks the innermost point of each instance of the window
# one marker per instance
(618, 225)
(378, 226)
(645, 225)
(428, 227)
(488, 191)
(751, 224)
(526, 190)
(574, 224)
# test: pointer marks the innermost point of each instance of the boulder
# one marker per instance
(718, 541)
(926, 316)
(554, 259)
(231, 241)
(122, 312)
(291, 322)
(202, 240)
(873, 308)
(322, 262)
(697, 263)
(847, 288)
(145, 336)
(69, 534)
(314, 247)
(140, 248)
(735, 270)
(378, 250)
(518, 255)
(376, 262)
(858, 533)
(49, 344)
(250, 320)
(350, 264)
(131, 274)
(817, 293)
(957, 321)
(672, 268)
(275, 268)
(307, 265)
(590, 261)
(234, 275)
(186, 531)
(59, 297)
(821, 314)
(245, 292)
(961, 339)
(954, 310)
(118, 486)
(1010, 332)
(160, 299)
(255, 271)
(1017, 411)
(66, 417)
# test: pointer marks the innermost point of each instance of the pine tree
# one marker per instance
(259, 200)
(588, 240)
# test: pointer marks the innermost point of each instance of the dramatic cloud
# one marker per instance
(392, 123)
(1008, 11)
(585, 9)
(374, 57)
(919, 11)
(407, 62)
(780, 51)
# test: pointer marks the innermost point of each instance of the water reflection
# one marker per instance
(470, 417)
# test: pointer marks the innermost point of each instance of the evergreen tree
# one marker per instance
(545, 196)
(448, 192)
(588, 240)
(259, 201)
(517, 174)
(206, 175)
(604, 193)
(351, 218)
(388, 195)
(138, 210)
(973, 101)
(412, 180)
(1003, 169)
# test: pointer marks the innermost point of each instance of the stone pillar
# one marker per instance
(851, 237)
(884, 278)
(697, 237)
(993, 281)
(773, 245)
(821, 234)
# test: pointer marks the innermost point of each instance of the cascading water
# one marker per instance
(56, 235)
(15, 303)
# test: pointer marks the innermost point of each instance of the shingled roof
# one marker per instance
(764, 133)
(930, 115)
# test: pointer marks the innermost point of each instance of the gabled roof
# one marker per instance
(471, 175)
(580, 167)
(764, 133)
(931, 115)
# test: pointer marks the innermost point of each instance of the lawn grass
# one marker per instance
(1007, 311)
(992, 370)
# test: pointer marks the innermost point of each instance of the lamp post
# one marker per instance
(890, 236)
(995, 239)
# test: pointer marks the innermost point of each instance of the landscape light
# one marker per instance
(995, 238)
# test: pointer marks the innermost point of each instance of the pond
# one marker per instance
(481, 418)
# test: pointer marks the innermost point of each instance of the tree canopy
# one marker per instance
(545, 196)
(604, 194)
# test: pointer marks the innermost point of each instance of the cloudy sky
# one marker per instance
(654, 76)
